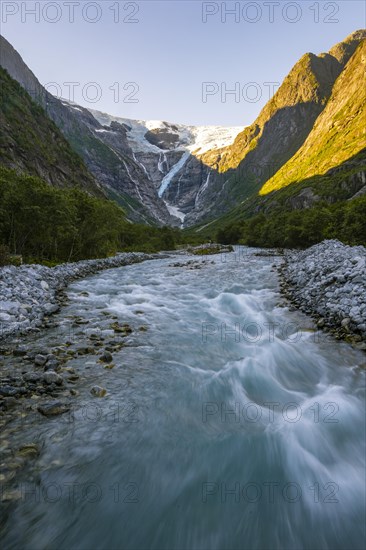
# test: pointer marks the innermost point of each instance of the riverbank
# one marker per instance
(328, 282)
(30, 293)
(145, 365)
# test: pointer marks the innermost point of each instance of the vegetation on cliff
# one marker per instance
(50, 225)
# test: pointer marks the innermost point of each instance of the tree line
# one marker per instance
(51, 225)
(345, 221)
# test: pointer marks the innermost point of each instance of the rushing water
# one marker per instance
(228, 424)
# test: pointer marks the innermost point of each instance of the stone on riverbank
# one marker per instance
(97, 391)
(28, 293)
(53, 408)
(329, 281)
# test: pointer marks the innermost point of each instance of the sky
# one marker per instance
(191, 62)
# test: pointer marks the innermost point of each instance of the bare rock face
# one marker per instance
(162, 139)
(169, 156)
(305, 199)
(172, 174)
(106, 153)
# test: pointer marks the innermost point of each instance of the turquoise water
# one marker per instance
(228, 424)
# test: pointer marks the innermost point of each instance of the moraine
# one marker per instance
(229, 421)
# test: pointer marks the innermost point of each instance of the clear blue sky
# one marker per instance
(169, 52)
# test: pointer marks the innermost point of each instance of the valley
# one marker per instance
(182, 307)
(185, 176)
(182, 388)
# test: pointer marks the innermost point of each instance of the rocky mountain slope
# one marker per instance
(285, 123)
(168, 173)
(168, 154)
(338, 133)
(32, 143)
(113, 167)
(133, 161)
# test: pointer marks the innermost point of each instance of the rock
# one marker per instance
(11, 495)
(27, 295)
(40, 360)
(20, 351)
(54, 365)
(32, 377)
(106, 357)
(8, 391)
(30, 450)
(53, 408)
(328, 280)
(9, 403)
(51, 377)
(6, 318)
(49, 308)
(98, 391)
(84, 350)
(9, 306)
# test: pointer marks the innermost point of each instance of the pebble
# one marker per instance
(106, 357)
(53, 408)
(28, 293)
(40, 360)
(98, 391)
(51, 377)
(30, 450)
(328, 280)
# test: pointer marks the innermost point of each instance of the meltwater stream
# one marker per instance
(228, 424)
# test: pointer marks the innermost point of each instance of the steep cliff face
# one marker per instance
(116, 171)
(286, 119)
(280, 130)
(169, 155)
(32, 143)
(339, 132)
(168, 173)
(262, 149)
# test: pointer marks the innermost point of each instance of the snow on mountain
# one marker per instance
(212, 137)
(169, 156)
(195, 139)
(174, 211)
(170, 175)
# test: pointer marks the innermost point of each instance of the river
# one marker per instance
(229, 422)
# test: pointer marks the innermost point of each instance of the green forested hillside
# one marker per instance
(339, 132)
(51, 208)
(345, 221)
(331, 205)
(319, 192)
(49, 224)
(32, 143)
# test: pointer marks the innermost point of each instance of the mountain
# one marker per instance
(114, 168)
(169, 173)
(284, 125)
(32, 143)
(338, 133)
(167, 153)
(131, 160)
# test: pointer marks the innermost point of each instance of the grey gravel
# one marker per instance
(329, 281)
(30, 292)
